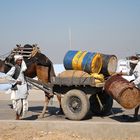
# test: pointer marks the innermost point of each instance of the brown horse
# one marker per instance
(38, 65)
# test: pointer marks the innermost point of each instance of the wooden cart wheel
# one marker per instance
(75, 104)
(102, 106)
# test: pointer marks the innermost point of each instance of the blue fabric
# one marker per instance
(4, 87)
(2, 74)
(58, 68)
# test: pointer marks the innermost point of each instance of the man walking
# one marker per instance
(19, 91)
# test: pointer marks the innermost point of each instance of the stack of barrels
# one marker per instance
(126, 94)
(90, 62)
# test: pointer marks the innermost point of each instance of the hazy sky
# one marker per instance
(106, 26)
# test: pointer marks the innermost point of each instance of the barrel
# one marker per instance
(82, 60)
(68, 59)
(109, 66)
(124, 92)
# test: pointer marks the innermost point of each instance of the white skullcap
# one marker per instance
(134, 61)
(16, 57)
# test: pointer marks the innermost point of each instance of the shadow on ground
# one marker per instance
(116, 113)
(36, 110)
(122, 117)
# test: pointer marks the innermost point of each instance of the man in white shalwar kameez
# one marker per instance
(134, 61)
(19, 92)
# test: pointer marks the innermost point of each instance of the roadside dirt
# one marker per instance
(27, 132)
(13, 132)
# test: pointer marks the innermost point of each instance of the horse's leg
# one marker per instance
(42, 74)
(47, 99)
(136, 112)
(59, 100)
(60, 107)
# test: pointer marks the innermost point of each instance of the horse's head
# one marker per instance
(7, 63)
(2, 65)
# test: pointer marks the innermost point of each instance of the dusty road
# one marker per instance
(117, 126)
(36, 102)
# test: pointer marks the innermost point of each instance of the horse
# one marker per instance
(37, 65)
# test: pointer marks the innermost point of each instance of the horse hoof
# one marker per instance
(50, 96)
(41, 116)
(135, 119)
(60, 112)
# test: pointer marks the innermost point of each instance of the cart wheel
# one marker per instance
(106, 102)
(75, 104)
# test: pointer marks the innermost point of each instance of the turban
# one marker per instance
(16, 57)
(133, 61)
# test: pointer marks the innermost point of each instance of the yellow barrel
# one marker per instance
(77, 60)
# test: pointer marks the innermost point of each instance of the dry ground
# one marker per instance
(24, 132)
(27, 132)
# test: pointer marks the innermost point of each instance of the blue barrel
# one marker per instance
(81, 60)
(68, 59)
(86, 64)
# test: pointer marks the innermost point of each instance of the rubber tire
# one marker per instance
(106, 101)
(72, 96)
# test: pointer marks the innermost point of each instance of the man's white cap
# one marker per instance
(16, 57)
(133, 61)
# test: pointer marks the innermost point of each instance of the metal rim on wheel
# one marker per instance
(75, 104)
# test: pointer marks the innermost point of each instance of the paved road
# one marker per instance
(118, 113)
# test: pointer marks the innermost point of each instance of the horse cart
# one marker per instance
(79, 94)
(80, 91)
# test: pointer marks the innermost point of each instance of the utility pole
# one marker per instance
(70, 47)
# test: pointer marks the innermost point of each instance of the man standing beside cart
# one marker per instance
(135, 70)
(19, 92)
